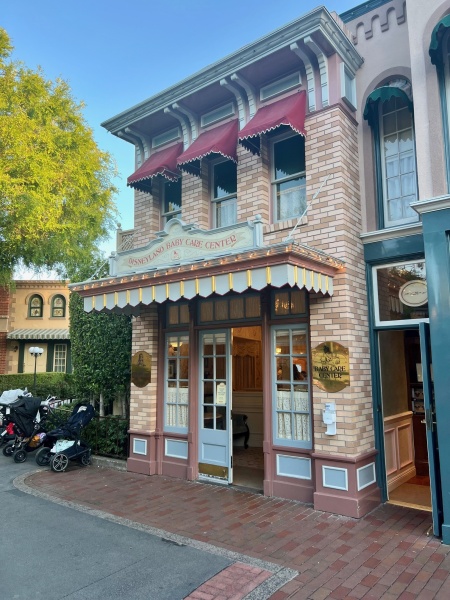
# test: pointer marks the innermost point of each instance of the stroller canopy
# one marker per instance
(81, 415)
(23, 413)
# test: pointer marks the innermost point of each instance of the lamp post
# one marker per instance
(35, 351)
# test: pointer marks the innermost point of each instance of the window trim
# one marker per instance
(176, 214)
(216, 201)
(53, 307)
(274, 182)
(66, 352)
(376, 304)
(443, 73)
(174, 428)
(283, 441)
(30, 308)
(414, 218)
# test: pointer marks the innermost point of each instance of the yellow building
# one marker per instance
(35, 313)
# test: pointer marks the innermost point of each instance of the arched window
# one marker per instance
(440, 57)
(35, 306)
(58, 306)
(389, 113)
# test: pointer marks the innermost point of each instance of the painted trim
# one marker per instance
(392, 233)
(362, 9)
(358, 476)
(299, 458)
(432, 204)
(135, 449)
(174, 443)
(334, 487)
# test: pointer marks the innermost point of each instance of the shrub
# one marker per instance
(53, 384)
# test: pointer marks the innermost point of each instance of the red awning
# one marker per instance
(290, 111)
(220, 140)
(162, 163)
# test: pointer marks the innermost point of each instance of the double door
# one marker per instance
(215, 397)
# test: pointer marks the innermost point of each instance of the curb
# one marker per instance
(109, 463)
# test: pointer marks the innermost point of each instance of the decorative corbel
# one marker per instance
(239, 100)
(250, 91)
(323, 68)
(309, 75)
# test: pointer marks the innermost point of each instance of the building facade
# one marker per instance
(289, 262)
(35, 313)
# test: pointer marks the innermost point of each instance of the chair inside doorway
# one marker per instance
(248, 458)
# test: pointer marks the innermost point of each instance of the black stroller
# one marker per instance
(6, 425)
(27, 416)
(65, 443)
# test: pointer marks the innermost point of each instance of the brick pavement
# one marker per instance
(387, 554)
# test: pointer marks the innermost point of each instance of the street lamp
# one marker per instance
(35, 351)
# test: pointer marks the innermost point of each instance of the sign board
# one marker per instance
(181, 243)
(141, 369)
(221, 393)
(330, 365)
(414, 293)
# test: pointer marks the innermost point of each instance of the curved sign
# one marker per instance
(141, 369)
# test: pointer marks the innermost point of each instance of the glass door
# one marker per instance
(430, 424)
(215, 448)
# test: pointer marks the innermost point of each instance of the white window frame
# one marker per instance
(175, 399)
(215, 202)
(274, 182)
(415, 217)
(376, 302)
(173, 214)
(307, 444)
(59, 349)
(348, 94)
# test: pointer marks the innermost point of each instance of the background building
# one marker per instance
(35, 313)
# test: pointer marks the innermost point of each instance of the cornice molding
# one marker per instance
(391, 233)
(318, 20)
(432, 204)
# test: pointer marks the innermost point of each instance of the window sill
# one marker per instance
(283, 225)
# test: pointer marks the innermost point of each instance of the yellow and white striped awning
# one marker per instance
(241, 281)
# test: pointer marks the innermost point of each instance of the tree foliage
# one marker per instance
(101, 351)
(56, 192)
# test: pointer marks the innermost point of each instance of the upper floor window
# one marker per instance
(59, 306)
(399, 179)
(288, 177)
(171, 200)
(35, 306)
(223, 193)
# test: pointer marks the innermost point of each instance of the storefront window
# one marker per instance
(291, 409)
(400, 292)
(177, 382)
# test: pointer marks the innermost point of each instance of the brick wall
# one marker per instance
(143, 400)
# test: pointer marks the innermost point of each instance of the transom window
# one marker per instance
(176, 383)
(230, 309)
(35, 306)
(288, 303)
(59, 306)
(177, 314)
(171, 200)
(60, 358)
(398, 162)
(291, 405)
(288, 177)
(223, 194)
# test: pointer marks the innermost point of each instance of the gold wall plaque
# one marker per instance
(141, 369)
(330, 365)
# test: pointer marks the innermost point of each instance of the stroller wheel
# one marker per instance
(59, 462)
(85, 459)
(8, 450)
(20, 456)
(43, 456)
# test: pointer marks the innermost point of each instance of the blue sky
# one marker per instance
(116, 53)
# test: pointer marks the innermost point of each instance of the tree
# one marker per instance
(56, 192)
(101, 353)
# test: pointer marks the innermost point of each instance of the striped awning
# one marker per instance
(39, 334)
(241, 281)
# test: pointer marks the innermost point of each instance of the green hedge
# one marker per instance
(53, 384)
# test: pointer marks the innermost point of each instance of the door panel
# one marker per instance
(430, 424)
(215, 406)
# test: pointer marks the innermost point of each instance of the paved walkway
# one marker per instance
(282, 549)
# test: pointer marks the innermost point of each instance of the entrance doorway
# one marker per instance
(405, 433)
(231, 407)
